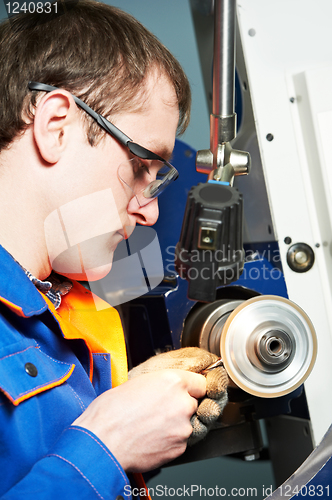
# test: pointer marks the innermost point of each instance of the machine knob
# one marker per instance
(210, 251)
(300, 257)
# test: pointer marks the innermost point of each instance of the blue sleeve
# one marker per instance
(78, 466)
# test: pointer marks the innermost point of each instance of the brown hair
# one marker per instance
(95, 51)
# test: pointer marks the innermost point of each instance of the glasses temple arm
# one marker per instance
(103, 122)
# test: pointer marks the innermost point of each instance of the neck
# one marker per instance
(21, 211)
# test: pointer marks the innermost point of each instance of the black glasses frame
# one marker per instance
(111, 129)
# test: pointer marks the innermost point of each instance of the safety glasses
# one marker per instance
(145, 179)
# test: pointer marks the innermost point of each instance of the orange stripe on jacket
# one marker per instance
(29, 394)
(13, 307)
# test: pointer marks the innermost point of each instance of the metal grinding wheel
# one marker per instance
(268, 346)
(204, 326)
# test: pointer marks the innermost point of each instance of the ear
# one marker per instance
(56, 113)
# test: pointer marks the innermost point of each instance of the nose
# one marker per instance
(146, 215)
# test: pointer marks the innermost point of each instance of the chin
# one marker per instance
(93, 267)
(98, 273)
(88, 275)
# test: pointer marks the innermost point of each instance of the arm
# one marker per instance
(145, 422)
(78, 466)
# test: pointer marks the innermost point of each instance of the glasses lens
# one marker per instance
(146, 180)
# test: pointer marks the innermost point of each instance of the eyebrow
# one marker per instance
(165, 152)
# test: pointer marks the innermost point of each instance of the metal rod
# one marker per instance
(223, 116)
(224, 57)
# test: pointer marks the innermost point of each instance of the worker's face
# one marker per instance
(99, 210)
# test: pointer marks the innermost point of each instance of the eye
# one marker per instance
(145, 168)
(140, 170)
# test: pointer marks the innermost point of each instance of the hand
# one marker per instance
(145, 422)
(196, 360)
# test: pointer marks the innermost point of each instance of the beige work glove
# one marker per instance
(195, 360)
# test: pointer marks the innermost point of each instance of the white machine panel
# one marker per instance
(287, 47)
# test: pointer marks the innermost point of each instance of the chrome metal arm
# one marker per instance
(223, 117)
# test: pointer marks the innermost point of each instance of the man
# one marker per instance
(73, 187)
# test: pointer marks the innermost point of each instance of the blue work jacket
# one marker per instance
(46, 383)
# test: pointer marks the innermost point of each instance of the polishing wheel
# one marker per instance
(267, 343)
